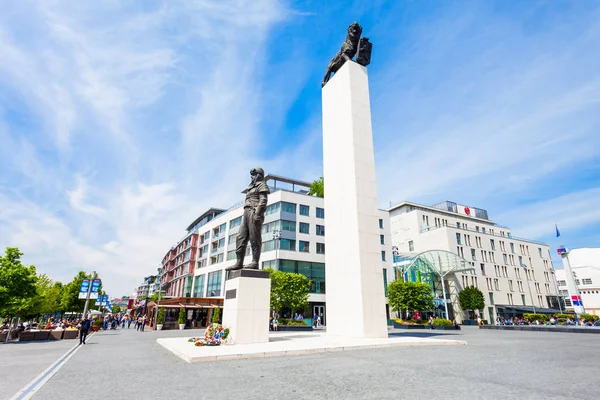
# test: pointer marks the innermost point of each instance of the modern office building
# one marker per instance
(585, 265)
(293, 236)
(460, 246)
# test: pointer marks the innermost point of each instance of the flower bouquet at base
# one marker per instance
(214, 335)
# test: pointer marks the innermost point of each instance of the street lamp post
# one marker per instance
(277, 237)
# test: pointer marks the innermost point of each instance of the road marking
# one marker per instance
(36, 384)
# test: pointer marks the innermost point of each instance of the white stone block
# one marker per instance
(355, 293)
(246, 307)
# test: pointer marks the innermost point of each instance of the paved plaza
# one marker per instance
(493, 365)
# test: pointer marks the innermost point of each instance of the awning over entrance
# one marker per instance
(440, 262)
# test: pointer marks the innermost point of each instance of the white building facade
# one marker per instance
(516, 275)
(293, 237)
(585, 265)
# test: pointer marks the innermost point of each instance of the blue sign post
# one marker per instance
(95, 288)
(84, 289)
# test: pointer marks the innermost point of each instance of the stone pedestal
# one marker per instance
(353, 270)
(246, 308)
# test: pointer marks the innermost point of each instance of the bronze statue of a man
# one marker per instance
(254, 215)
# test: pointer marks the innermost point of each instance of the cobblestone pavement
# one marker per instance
(493, 365)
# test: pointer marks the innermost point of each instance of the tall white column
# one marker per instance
(354, 275)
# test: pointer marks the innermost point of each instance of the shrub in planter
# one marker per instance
(589, 317)
(535, 317)
(283, 321)
(441, 322)
(409, 322)
(181, 319)
(563, 316)
(216, 316)
(160, 317)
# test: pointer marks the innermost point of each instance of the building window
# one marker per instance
(320, 248)
(491, 298)
(304, 210)
(496, 285)
(288, 207)
(540, 251)
(287, 244)
(411, 245)
(562, 283)
(304, 246)
(586, 281)
(269, 264)
(232, 238)
(512, 248)
(568, 303)
(288, 225)
(473, 256)
(304, 227)
(505, 259)
(320, 213)
(523, 299)
(380, 223)
(320, 230)
(268, 245)
(315, 272)
(510, 285)
(382, 255)
(231, 255)
(482, 266)
(385, 289)
(213, 287)
(198, 286)
(520, 261)
(381, 239)
(458, 241)
(273, 208)
(482, 229)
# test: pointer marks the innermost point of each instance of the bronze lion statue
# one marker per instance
(346, 53)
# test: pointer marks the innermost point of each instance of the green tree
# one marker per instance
(317, 188)
(116, 309)
(70, 297)
(410, 296)
(48, 297)
(17, 283)
(288, 290)
(471, 299)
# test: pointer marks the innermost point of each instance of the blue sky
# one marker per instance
(121, 122)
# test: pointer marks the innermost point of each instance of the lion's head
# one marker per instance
(354, 30)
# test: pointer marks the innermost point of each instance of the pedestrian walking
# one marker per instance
(84, 328)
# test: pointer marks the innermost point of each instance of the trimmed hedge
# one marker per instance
(290, 322)
(534, 317)
(410, 322)
(590, 317)
(441, 322)
(563, 316)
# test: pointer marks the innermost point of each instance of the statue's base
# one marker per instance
(246, 307)
(292, 344)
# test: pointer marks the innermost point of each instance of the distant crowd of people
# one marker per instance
(553, 321)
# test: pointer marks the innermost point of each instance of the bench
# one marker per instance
(41, 335)
(26, 336)
(70, 334)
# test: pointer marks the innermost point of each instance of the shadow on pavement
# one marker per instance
(421, 334)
